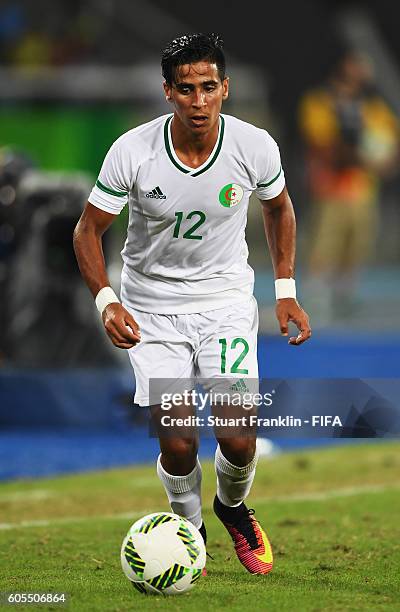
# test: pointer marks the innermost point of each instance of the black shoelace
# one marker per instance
(245, 526)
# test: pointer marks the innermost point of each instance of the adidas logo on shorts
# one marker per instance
(240, 386)
(156, 193)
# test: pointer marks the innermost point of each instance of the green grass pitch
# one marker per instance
(332, 516)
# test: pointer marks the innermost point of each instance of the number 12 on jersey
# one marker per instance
(189, 233)
(235, 366)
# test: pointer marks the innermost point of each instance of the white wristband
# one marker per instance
(105, 297)
(285, 288)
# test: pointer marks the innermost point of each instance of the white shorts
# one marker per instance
(218, 343)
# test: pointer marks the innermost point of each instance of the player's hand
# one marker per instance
(120, 326)
(288, 309)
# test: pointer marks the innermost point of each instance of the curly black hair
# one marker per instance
(192, 48)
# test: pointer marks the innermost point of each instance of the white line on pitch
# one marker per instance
(23, 496)
(295, 497)
(73, 519)
(331, 494)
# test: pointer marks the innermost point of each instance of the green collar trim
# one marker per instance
(194, 171)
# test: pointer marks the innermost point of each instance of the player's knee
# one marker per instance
(179, 454)
(239, 451)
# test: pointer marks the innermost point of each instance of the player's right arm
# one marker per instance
(119, 324)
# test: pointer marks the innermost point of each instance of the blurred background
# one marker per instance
(322, 77)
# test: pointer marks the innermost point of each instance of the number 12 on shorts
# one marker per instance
(236, 342)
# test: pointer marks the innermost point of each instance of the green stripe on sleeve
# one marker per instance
(119, 194)
(270, 182)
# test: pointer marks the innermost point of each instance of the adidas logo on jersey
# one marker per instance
(156, 193)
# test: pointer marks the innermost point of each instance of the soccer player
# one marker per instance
(187, 305)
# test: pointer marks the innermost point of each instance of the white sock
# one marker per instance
(183, 492)
(233, 482)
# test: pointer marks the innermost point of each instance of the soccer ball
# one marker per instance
(163, 553)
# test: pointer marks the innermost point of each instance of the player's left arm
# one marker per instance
(280, 231)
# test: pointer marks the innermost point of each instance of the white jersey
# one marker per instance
(186, 250)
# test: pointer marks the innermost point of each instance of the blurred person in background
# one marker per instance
(14, 165)
(351, 143)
